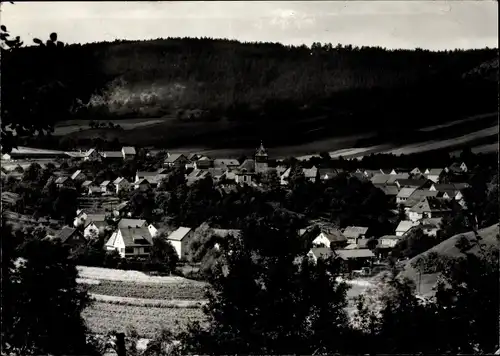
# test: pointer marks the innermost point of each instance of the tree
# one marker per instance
(268, 297)
(414, 243)
(162, 252)
(40, 298)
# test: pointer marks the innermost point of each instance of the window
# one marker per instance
(129, 250)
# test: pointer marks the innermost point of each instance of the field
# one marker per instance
(132, 298)
(67, 127)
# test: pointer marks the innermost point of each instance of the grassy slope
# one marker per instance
(448, 248)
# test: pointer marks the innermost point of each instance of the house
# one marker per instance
(94, 190)
(390, 190)
(86, 184)
(388, 171)
(388, 241)
(94, 227)
(431, 226)
(92, 155)
(352, 233)
(329, 237)
(107, 187)
(433, 174)
(64, 182)
(130, 241)
(420, 193)
(193, 157)
(132, 223)
(121, 209)
(71, 236)
(317, 253)
(180, 240)
(429, 207)
(175, 160)
(355, 258)
(404, 194)
(226, 163)
(216, 173)
(311, 174)
(78, 176)
(404, 226)
(416, 171)
(327, 173)
(142, 184)
(121, 184)
(203, 163)
(196, 175)
(139, 175)
(128, 152)
(369, 173)
(457, 168)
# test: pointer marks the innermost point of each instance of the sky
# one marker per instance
(433, 25)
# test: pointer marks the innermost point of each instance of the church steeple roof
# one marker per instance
(261, 151)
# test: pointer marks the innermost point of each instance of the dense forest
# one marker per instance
(235, 88)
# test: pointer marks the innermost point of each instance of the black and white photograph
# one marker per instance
(249, 178)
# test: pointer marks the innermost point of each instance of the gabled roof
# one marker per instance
(435, 171)
(327, 173)
(204, 158)
(406, 192)
(179, 234)
(105, 183)
(96, 217)
(193, 156)
(86, 183)
(216, 172)
(261, 151)
(390, 237)
(61, 180)
(74, 175)
(174, 157)
(112, 154)
(128, 150)
(142, 181)
(405, 225)
(431, 222)
(132, 223)
(227, 162)
(355, 253)
(380, 178)
(416, 183)
(332, 234)
(248, 166)
(321, 252)
(119, 180)
(430, 204)
(134, 236)
(65, 233)
(420, 193)
(121, 206)
(142, 174)
(389, 190)
(354, 231)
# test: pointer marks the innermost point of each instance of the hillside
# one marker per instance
(218, 93)
(489, 237)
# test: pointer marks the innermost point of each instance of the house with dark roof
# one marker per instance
(71, 237)
(327, 173)
(78, 176)
(457, 168)
(112, 155)
(404, 194)
(317, 253)
(388, 241)
(175, 160)
(92, 155)
(433, 174)
(64, 182)
(180, 240)
(128, 152)
(355, 258)
(95, 224)
(353, 233)
(388, 171)
(226, 163)
(413, 183)
(429, 207)
(121, 185)
(390, 191)
(142, 184)
(130, 241)
(203, 162)
(329, 237)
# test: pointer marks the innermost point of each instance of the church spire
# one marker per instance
(261, 151)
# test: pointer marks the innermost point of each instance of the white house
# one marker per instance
(180, 240)
(152, 230)
(404, 226)
(130, 241)
(121, 184)
(404, 194)
(128, 152)
(388, 241)
(94, 228)
(107, 187)
(327, 236)
(433, 174)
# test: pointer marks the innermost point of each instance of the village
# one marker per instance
(419, 199)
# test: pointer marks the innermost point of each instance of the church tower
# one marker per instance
(261, 159)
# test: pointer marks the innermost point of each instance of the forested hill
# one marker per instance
(222, 81)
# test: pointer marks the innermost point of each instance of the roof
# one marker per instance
(461, 186)
(327, 173)
(444, 187)
(61, 180)
(435, 171)
(390, 237)
(216, 172)
(65, 233)
(86, 183)
(321, 252)
(360, 176)
(193, 156)
(248, 166)
(121, 205)
(390, 190)
(131, 222)
(405, 225)
(406, 192)
(142, 174)
(133, 236)
(354, 231)
(112, 154)
(261, 151)
(205, 158)
(333, 235)
(179, 234)
(431, 222)
(362, 243)
(173, 157)
(128, 150)
(420, 193)
(379, 178)
(355, 253)
(227, 162)
(74, 175)
(142, 181)
(119, 180)
(411, 182)
(429, 204)
(96, 217)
